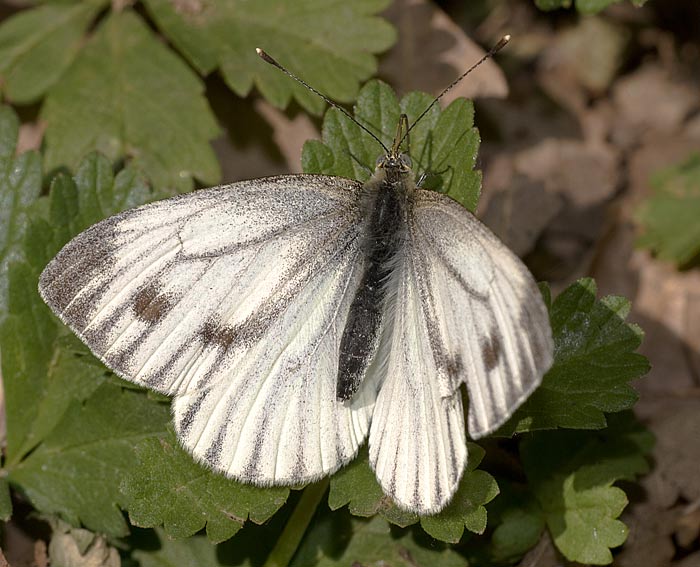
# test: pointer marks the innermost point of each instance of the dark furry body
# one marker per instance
(385, 204)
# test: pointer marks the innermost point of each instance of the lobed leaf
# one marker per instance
(224, 35)
(76, 471)
(571, 474)
(594, 360)
(168, 488)
(357, 487)
(127, 96)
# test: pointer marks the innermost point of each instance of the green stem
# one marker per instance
(294, 531)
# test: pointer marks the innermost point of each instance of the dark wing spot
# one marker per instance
(150, 305)
(214, 333)
(491, 351)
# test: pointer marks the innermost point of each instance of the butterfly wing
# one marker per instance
(233, 300)
(467, 311)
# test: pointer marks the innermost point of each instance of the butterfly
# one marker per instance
(294, 318)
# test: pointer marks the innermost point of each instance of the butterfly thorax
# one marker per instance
(385, 204)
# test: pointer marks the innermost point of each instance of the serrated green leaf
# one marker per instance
(192, 552)
(41, 377)
(571, 473)
(224, 34)
(76, 472)
(38, 45)
(669, 217)
(520, 529)
(594, 360)
(127, 96)
(339, 539)
(443, 145)
(356, 486)
(5, 500)
(168, 488)
(583, 6)
(20, 187)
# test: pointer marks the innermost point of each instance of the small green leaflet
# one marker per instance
(594, 360)
(571, 474)
(224, 34)
(356, 486)
(669, 217)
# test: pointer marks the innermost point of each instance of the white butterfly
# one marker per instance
(292, 317)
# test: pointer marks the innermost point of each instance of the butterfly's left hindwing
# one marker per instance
(233, 300)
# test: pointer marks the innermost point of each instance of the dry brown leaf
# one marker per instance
(649, 541)
(677, 450)
(650, 100)
(587, 174)
(519, 213)
(432, 51)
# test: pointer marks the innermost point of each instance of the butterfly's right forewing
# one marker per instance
(233, 300)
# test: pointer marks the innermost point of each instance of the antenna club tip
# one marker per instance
(506, 38)
(265, 57)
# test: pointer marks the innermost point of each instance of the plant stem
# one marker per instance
(289, 540)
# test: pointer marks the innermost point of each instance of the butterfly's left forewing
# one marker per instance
(232, 300)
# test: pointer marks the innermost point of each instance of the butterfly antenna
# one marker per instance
(265, 57)
(495, 49)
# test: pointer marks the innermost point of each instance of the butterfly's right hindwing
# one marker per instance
(233, 300)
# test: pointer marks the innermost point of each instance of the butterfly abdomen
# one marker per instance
(384, 206)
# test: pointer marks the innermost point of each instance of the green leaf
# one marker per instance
(20, 187)
(168, 488)
(594, 360)
(571, 474)
(192, 552)
(334, 59)
(443, 145)
(41, 376)
(38, 45)
(356, 486)
(669, 217)
(5, 500)
(583, 6)
(75, 473)
(128, 96)
(339, 539)
(519, 529)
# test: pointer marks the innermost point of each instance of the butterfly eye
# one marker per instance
(380, 161)
(405, 160)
